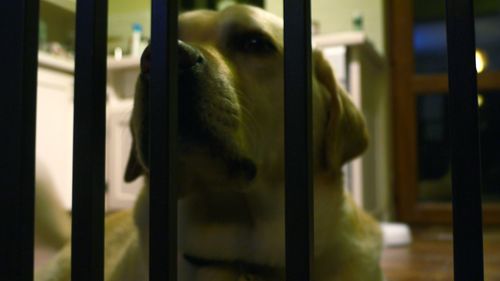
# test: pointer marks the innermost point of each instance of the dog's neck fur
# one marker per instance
(246, 229)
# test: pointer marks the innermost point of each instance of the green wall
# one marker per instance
(333, 16)
(336, 16)
(127, 6)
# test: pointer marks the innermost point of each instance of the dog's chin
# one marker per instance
(210, 164)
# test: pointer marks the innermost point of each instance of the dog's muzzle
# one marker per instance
(208, 112)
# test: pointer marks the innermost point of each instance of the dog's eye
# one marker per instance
(255, 44)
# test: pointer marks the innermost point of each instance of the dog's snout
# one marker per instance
(188, 56)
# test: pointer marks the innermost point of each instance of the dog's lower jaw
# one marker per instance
(239, 270)
(209, 167)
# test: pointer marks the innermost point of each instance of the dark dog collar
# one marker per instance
(261, 272)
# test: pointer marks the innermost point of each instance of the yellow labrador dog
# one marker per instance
(231, 179)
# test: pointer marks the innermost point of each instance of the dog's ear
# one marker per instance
(146, 60)
(139, 123)
(346, 135)
(134, 169)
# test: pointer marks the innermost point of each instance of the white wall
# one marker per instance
(336, 16)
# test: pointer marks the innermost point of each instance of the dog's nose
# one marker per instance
(188, 56)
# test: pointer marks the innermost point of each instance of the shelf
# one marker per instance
(350, 39)
(54, 62)
(68, 65)
(127, 62)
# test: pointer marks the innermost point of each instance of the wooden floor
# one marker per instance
(430, 257)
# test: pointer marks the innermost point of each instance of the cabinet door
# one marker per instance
(54, 145)
(120, 194)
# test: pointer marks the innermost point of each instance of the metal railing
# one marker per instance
(18, 118)
(298, 141)
(163, 132)
(87, 239)
(17, 125)
(465, 155)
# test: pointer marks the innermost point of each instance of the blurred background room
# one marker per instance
(389, 54)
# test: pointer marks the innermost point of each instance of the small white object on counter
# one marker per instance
(396, 234)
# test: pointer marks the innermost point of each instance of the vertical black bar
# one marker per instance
(163, 136)
(19, 33)
(89, 141)
(298, 140)
(466, 173)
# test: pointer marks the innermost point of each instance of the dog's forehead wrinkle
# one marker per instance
(251, 14)
(197, 26)
(210, 27)
(248, 18)
(235, 25)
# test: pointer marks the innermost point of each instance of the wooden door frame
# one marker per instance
(406, 86)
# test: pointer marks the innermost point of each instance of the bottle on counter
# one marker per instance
(135, 44)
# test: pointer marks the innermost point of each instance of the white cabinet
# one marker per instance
(122, 76)
(363, 72)
(54, 143)
(54, 127)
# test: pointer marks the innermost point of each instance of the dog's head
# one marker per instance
(231, 102)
